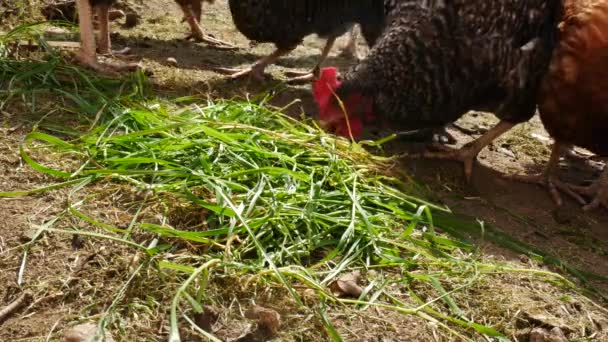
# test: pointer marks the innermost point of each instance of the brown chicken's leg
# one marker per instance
(257, 69)
(105, 43)
(87, 55)
(197, 10)
(598, 190)
(103, 13)
(300, 77)
(548, 178)
(193, 17)
(468, 154)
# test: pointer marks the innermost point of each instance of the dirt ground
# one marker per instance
(58, 273)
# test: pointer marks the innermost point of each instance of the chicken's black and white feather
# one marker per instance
(439, 59)
(285, 23)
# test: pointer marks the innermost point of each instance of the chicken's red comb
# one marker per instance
(324, 87)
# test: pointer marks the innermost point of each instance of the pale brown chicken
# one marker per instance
(193, 10)
(573, 101)
(87, 55)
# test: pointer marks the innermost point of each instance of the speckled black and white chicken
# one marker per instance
(285, 23)
(437, 60)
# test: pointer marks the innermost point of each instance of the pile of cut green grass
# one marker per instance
(279, 199)
(304, 207)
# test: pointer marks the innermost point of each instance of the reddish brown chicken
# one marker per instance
(573, 101)
(192, 11)
(87, 54)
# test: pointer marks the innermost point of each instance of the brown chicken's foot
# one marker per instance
(552, 183)
(199, 36)
(257, 69)
(213, 42)
(598, 191)
(298, 77)
(296, 73)
(105, 68)
(304, 78)
(236, 73)
(122, 52)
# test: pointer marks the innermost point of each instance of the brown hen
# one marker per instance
(88, 54)
(192, 11)
(573, 101)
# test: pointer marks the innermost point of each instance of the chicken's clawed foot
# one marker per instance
(106, 68)
(211, 41)
(198, 34)
(303, 78)
(236, 73)
(598, 191)
(466, 155)
(299, 77)
(122, 53)
(294, 73)
(553, 184)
